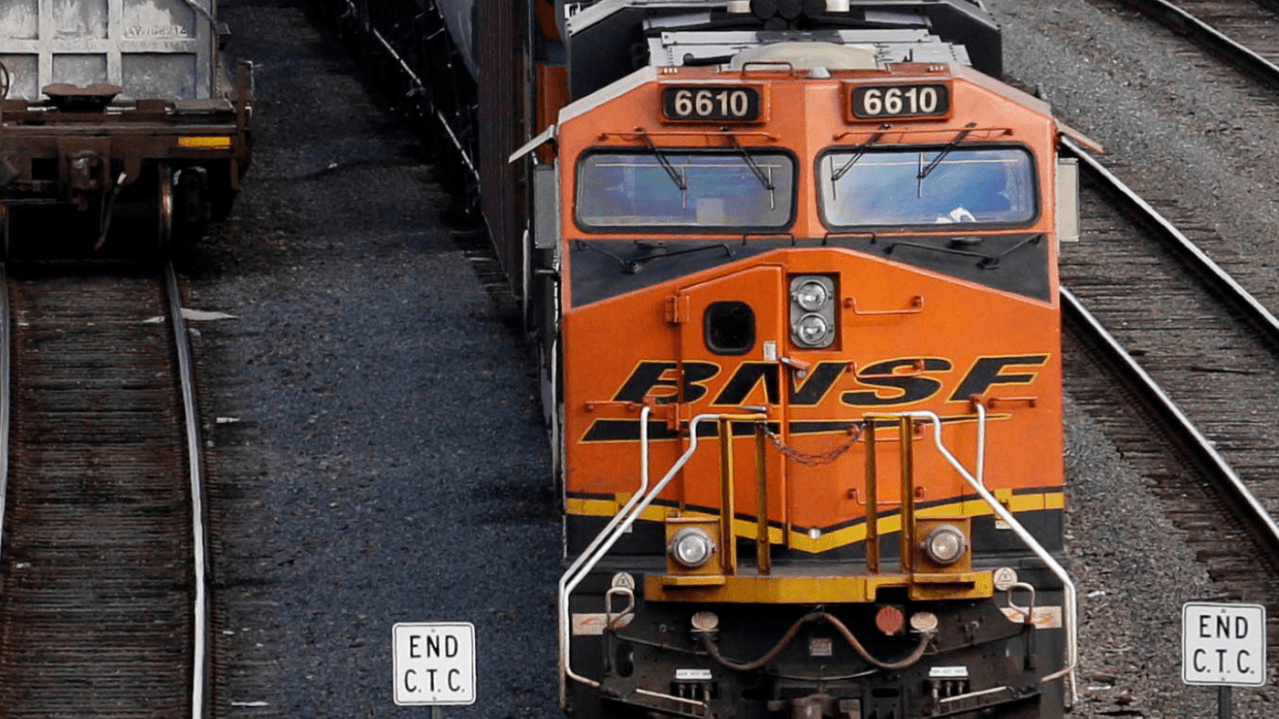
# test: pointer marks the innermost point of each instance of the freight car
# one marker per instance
(118, 109)
(791, 271)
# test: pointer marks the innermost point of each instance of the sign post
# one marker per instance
(1223, 645)
(434, 664)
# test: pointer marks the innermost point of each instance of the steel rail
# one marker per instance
(1247, 507)
(419, 86)
(200, 696)
(1245, 504)
(1218, 42)
(1219, 280)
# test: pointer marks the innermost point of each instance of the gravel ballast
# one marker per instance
(377, 448)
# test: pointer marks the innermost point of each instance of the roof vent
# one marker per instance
(808, 55)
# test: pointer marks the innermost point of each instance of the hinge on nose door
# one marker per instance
(678, 308)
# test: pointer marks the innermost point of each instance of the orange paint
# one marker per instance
(894, 320)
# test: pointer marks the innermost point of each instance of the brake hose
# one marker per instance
(789, 636)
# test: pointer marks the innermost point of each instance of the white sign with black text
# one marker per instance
(434, 663)
(1223, 644)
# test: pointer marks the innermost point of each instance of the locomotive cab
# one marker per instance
(809, 383)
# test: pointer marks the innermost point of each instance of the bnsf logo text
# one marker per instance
(885, 383)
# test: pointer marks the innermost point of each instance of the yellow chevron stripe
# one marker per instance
(841, 537)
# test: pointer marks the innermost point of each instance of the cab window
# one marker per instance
(685, 191)
(927, 186)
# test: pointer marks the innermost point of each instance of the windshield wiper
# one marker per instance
(927, 170)
(666, 164)
(634, 265)
(859, 151)
(985, 262)
(750, 161)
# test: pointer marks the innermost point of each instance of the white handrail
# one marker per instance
(1068, 587)
(981, 443)
(607, 538)
(565, 670)
(640, 501)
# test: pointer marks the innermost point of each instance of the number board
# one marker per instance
(879, 102)
(712, 103)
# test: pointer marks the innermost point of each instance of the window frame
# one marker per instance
(706, 329)
(820, 180)
(693, 228)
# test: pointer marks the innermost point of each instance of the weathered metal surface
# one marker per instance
(96, 579)
(459, 17)
(151, 48)
(501, 131)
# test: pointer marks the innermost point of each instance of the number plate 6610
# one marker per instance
(874, 102)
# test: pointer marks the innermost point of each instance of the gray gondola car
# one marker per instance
(119, 108)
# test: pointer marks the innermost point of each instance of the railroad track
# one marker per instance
(1197, 351)
(103, 601)
(1195, 348)
(1241, 31)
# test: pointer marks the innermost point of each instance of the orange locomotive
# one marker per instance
(791, 267)
(809, 317)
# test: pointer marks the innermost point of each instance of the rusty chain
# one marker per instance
(813, 459)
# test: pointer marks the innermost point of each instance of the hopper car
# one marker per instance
(118, 110)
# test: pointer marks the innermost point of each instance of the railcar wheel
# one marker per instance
(164, 207)
(5, 80)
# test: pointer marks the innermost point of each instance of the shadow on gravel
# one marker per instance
(518, 503)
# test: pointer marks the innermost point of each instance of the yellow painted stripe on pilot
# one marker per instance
(829, 540)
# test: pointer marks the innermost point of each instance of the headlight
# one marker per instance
(811, 295)
(691, 547)
(813, 318)
(812, 331)
(945, 544)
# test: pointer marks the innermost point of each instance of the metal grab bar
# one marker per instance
(562, 596)
(1068, 587)
(618, 526)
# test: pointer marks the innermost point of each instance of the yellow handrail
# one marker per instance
(728, 537)
(906, 432)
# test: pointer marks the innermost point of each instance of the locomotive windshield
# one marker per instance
(874, 187)
(699, 192)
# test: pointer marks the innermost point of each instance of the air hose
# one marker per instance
(709, 643)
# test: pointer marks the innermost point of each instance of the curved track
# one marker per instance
(102, 592)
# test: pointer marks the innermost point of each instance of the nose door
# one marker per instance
(732, 335)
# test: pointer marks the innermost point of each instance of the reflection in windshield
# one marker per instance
(719, 190)
(890, 187)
